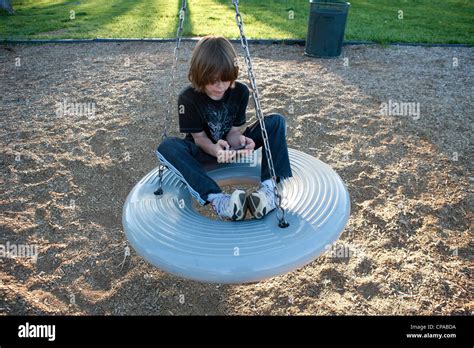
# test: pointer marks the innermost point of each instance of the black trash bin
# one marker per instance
(327, 23)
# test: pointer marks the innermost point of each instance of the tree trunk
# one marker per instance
(7, 6)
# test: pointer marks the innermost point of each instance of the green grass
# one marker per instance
(435, 21)
(50, 19)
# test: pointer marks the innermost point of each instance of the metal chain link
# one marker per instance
(171, 88)
(256, 98)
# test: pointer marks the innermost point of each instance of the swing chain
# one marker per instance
(171, 87)
(256, 98)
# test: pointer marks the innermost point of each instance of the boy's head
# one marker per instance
(213, 65)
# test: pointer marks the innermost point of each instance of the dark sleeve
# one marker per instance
(189, 119)
(240, 117)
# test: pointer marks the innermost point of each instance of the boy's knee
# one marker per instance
(275, 120)
(168, 146)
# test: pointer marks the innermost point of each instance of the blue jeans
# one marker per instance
(185, 158)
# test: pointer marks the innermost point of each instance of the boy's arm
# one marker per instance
(202, 140)
(217, 150)
(234, 137)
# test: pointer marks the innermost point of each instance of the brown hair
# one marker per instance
(213, 58)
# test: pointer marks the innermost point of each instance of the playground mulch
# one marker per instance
(407, 248)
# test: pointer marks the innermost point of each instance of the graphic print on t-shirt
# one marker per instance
(214, 117)
(219, 121)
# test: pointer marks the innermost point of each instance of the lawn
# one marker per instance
(435, 21)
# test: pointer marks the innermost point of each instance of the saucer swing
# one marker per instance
(162, 226)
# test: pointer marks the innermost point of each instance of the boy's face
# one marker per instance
(217, 89)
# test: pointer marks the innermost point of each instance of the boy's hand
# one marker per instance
(249, 145)
(223, 154)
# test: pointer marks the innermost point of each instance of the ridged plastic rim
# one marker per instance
(170, 234)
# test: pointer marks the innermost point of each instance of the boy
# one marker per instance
(211, 112)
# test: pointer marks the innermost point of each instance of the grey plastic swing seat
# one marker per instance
(171, 235)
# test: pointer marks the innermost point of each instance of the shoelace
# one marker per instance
(268, 192)
(220, 204)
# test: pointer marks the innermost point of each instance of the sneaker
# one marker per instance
(232, 207)
(261, 202)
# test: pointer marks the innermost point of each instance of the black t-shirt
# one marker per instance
(198, 112)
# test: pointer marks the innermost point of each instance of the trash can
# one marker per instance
(327, 23)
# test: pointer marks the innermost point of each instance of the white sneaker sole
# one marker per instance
(238, 203)
(258, 205)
